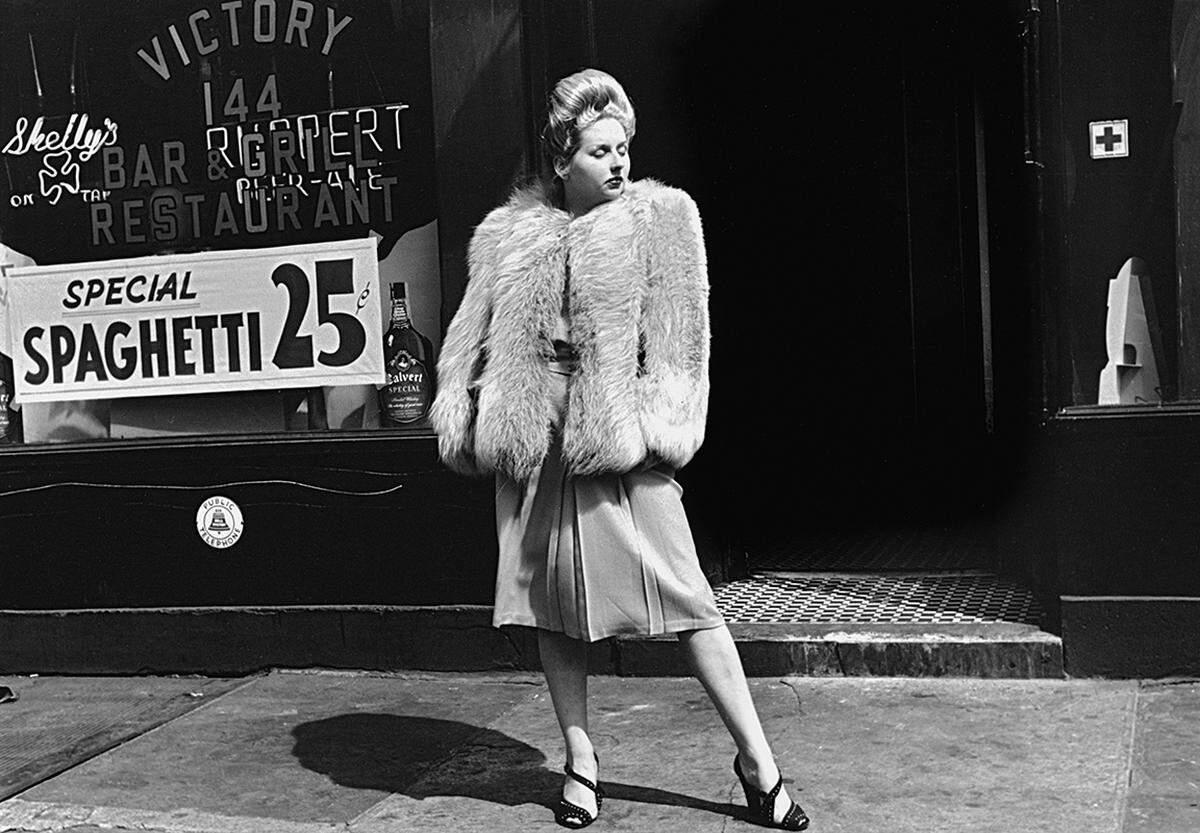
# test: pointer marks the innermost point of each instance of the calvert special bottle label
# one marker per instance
(406, 395)
(6, 426)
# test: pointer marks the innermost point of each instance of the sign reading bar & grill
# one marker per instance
(285, 317)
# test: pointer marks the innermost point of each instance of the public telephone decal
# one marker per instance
(219, 522)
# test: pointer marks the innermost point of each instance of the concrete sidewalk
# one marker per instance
(317, 752)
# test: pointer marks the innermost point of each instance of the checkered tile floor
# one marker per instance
(877, 598)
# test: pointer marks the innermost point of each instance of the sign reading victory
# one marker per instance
(284, 317)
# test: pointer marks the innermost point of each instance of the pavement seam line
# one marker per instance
(199, 706)
(731, 794)
(787, 681)
(1125, 781)
(104, 750)
(358, 822)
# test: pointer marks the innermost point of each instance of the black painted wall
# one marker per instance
(354, 521)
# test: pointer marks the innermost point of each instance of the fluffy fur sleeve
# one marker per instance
(464, 349)
(673, 396)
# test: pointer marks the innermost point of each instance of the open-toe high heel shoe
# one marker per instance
(572, 815)
(762, 804)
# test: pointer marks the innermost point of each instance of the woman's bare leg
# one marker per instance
(564, 661)
(715, 662)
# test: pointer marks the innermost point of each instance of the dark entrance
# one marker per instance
(837, 165)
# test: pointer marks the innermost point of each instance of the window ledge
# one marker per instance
(1092, 412)
(295, 441)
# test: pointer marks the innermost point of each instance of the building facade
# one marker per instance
(949, 265)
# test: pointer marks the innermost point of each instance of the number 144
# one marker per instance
(235, 108)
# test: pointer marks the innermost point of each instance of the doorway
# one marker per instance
(836, 169)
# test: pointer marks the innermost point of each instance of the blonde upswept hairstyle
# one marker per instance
(576, 103)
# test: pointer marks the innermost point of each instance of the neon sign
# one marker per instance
(62, 150)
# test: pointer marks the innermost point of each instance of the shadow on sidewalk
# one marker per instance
(395, 754)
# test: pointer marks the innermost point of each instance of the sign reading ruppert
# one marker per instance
(284, 317)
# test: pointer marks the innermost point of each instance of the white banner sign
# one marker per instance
(287, 317)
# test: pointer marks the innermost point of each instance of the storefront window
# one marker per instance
(217, 217)
(1127, 84)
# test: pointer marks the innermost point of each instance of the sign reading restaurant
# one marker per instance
(284, 317)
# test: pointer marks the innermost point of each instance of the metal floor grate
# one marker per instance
(893, 599)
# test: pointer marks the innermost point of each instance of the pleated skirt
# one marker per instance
(593, 557)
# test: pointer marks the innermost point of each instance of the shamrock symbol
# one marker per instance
(61, 174)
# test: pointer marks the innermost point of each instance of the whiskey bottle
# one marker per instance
(9, 430)
(408, 361)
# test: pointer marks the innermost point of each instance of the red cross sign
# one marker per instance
(1109, 139)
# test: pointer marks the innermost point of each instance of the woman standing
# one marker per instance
(576, 369)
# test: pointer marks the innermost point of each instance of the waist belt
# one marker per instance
(564, 351)
(565, 360)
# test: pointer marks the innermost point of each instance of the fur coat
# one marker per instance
(635, 274)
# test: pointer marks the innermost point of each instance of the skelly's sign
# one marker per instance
(295, 316)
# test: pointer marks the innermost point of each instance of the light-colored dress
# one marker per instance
(594, 557)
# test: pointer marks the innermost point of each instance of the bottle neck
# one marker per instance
(400, 312)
